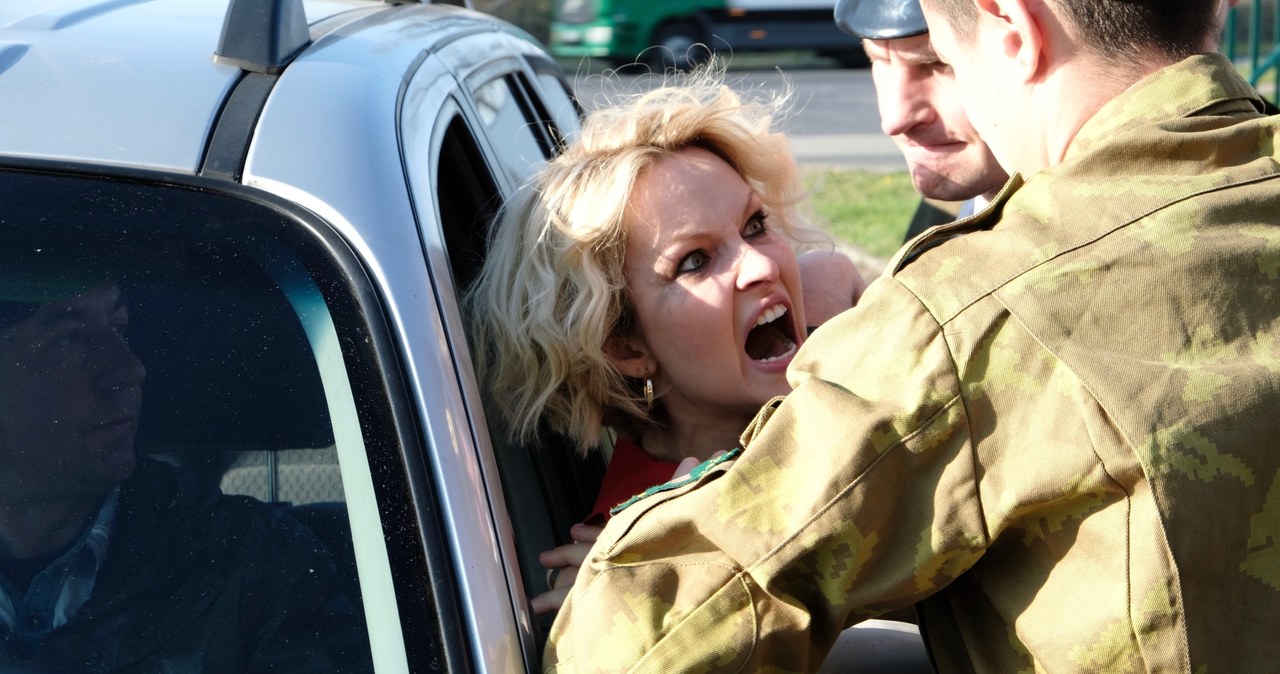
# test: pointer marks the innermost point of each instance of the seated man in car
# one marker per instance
(114, 562)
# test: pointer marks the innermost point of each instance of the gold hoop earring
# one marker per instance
(648, 392)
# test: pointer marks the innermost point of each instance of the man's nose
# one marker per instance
(755, 267)
(903, 102)
(116, 366)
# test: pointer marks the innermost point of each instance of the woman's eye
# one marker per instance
(693, 262)
(758, 224)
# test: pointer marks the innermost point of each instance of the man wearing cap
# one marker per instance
(1052, 425)
(920, 108)
(110, 562)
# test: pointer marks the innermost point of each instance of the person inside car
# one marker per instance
(114, 562)
(645, 283)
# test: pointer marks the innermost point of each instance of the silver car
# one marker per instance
(234, 235)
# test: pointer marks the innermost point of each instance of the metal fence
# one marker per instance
(1250, 40)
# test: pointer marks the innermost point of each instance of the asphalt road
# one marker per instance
(834, 122)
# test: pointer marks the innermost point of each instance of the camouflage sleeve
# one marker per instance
(853, 496)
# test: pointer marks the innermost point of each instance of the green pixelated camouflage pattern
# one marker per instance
(1052, 426)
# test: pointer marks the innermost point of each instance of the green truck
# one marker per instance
(683, 33)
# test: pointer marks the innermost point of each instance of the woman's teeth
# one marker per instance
(785, 354)
(771, 314)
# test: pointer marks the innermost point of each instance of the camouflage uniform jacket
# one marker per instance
(1053, 424)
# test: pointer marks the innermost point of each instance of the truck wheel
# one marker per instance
(678, 45)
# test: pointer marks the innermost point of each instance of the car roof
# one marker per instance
(122, 82)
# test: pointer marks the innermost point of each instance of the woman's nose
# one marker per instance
(756, 267)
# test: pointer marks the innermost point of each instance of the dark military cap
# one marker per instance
(880, 19)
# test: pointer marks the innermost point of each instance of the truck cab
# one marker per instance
(681, 34)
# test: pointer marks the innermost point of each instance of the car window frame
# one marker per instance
(543, 69)
(472, 67)
(552, 477)
(422, 144)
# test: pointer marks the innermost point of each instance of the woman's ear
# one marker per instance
(1018, 30)
(630, 355)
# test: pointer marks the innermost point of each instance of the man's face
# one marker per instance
(70, 392)
(982, 84)
(920, 108)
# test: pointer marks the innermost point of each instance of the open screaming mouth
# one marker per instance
(772, 338)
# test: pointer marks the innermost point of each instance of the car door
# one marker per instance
(391, 150)
(470, 140)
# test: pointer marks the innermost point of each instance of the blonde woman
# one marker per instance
(646, 283)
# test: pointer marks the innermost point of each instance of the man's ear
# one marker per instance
(1016, 25)
(630, 355)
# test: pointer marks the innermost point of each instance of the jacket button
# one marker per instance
(93, 659)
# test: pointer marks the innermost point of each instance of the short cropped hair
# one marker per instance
(1117, 29)
(552, 290)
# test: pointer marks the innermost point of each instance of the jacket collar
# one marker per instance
(1138, 138)
(1203, 84)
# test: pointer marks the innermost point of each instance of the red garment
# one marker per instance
(630, 472)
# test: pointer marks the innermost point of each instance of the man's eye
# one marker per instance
(65, 339)
(693, 262)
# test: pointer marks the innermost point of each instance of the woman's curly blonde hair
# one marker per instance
(552, 290)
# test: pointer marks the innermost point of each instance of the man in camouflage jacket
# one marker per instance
(1053, 425)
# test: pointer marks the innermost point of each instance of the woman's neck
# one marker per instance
(677, 441)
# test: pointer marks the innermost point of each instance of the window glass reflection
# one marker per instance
(142, 374)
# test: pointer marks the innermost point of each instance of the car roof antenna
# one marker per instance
(262, 36)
